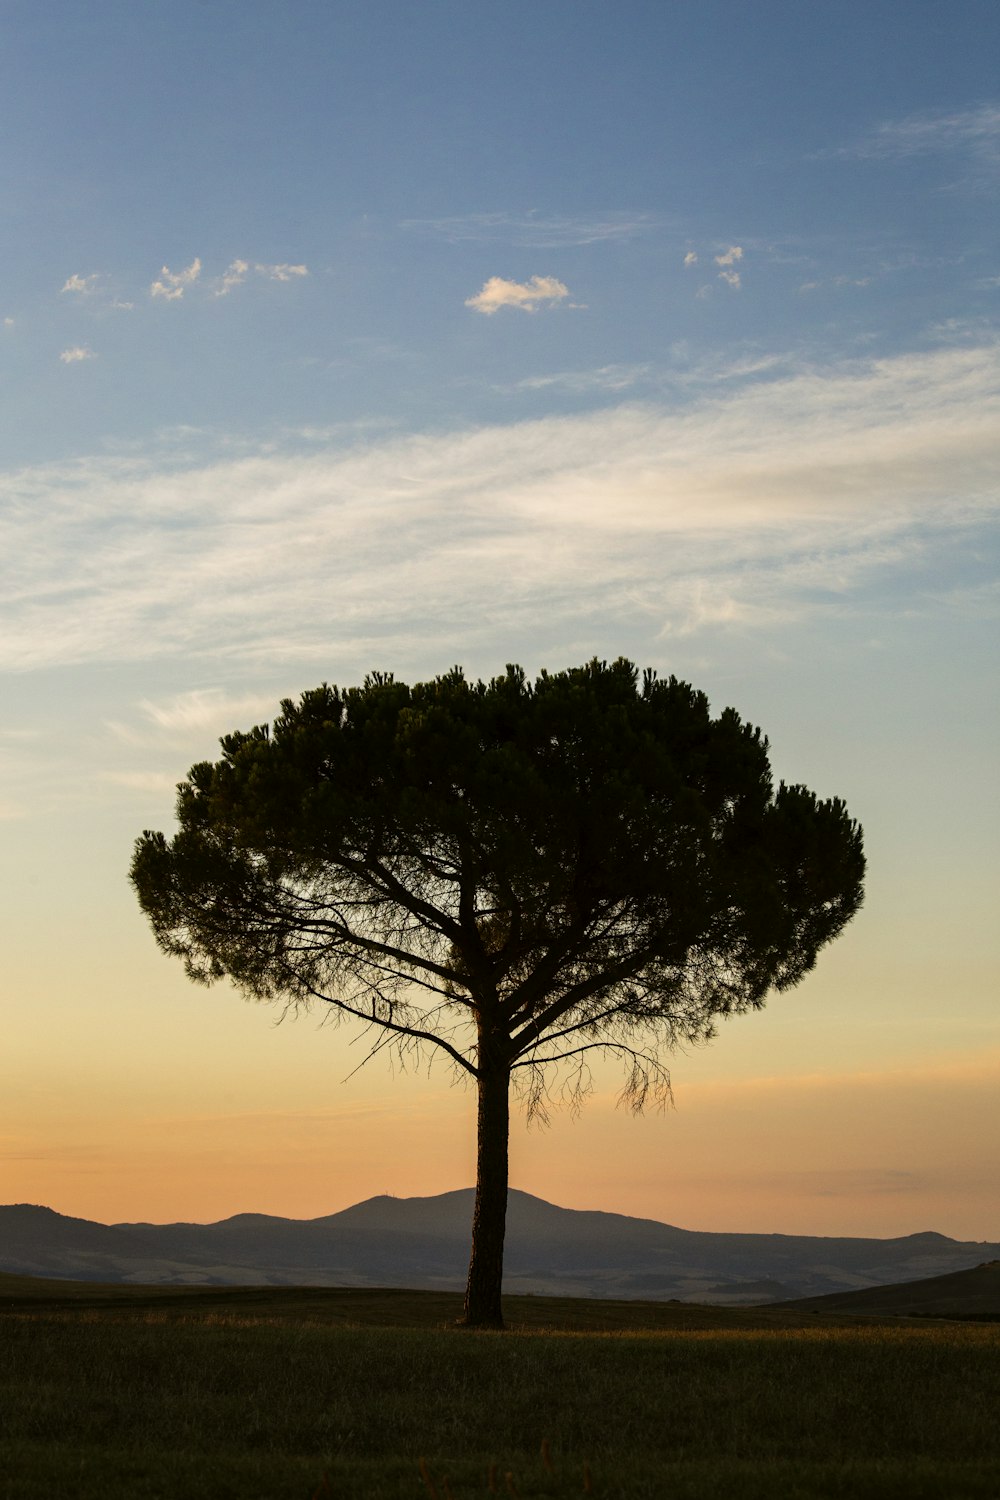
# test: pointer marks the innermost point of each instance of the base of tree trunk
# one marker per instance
(482, 1296)
(495, 1325)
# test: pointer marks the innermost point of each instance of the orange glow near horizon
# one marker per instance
(864, 1154)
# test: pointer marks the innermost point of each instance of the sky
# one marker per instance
(345, 336)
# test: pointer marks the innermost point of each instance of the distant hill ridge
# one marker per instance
(424, 1242)
(962, 1294)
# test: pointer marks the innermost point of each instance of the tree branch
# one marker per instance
(429, 914)
(606, 978)
(373, 1019)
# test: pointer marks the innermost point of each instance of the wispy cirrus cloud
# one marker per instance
(190, 714)
(749, 503)
(191, 722)
(603, 378)
(534, 231)
(971, 134)
(538, 291)
(172, 285)
(838, 282)
(917, 135)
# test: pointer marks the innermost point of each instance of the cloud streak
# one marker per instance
(969, 134)
(189, 716)
(603, 378)
(534, 231)
(740, 507)
(919, 135)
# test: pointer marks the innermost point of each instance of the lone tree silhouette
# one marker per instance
(519, 875)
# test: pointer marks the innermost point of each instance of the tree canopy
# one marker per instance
(516, 874)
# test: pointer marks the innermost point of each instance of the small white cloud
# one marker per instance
(528, 295)
(85, 286)
(77, 353)
(173, 284)
(280, 273)
(8, 322)
(730, 256)
(234, 275)
(731, 278)
(691, 259)
(121, 306)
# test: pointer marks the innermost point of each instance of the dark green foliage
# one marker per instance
(519, 874)
(573, 857)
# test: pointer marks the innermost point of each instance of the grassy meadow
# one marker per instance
(260, 1395)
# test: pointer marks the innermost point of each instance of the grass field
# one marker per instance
(237, 1395)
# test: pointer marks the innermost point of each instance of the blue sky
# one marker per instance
(337, 336)
(406, 154)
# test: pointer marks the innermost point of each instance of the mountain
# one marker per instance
(424, 1242)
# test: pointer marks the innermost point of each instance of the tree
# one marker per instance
(518, 875)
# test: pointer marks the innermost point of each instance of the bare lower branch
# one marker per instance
(372, 1018)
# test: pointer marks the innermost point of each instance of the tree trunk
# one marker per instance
(482, 1297)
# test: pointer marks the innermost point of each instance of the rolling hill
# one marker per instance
(962, 1294)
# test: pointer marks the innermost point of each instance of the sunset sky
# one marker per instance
(352, 334)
